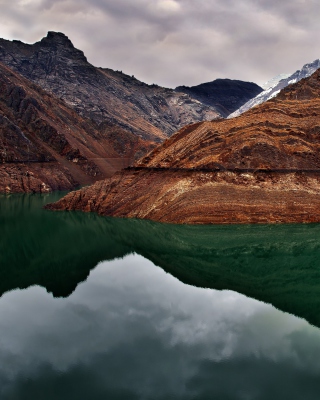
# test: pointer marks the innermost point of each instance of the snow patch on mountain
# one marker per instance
(274, 81)
(275, 85)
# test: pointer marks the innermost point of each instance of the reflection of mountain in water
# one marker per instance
(54, 250)
(278, 264)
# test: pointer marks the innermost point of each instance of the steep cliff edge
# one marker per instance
(261, 167)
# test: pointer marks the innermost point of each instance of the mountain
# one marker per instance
(225, 95)
(262, 167)
(275, 85)
(45, 145)
(101, 94)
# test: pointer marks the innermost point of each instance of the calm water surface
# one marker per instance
(102, 308)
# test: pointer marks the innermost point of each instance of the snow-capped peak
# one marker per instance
(276, 84)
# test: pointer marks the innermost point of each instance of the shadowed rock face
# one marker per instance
(45, 145)
(103, 95)
(226, 95)
(263, 166)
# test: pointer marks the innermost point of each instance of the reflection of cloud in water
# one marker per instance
(133, 331)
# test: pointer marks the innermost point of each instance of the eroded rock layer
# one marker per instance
(262, 167)
(196, 197)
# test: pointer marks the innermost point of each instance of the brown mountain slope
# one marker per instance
(283, 133)
(45, 145)
(263, 166)
(149, 111)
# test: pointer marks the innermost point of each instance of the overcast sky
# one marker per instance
(175, 42)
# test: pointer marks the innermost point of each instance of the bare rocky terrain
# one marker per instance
(262, 167)
(81, 123)
(45, 145)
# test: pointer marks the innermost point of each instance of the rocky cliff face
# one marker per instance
(259, 168)
(276, 85)
(46, 145)
(103, 95)
(225, 95)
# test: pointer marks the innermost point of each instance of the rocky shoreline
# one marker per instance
(193, 197)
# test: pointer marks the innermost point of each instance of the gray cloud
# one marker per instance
(174, 42)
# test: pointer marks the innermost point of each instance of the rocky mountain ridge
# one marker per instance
(262, 167)
(276, 86)
(101, 94)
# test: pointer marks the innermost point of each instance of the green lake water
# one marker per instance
(103, 308)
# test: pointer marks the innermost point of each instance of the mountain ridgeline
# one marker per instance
(101, 94)
(64, 122)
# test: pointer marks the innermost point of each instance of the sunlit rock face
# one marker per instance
(261, 167)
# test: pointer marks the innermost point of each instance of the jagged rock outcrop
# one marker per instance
(225, 95)
(259, 168)
(45, 145)
(276, 85)
(103, 95)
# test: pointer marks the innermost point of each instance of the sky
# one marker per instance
(177, 42)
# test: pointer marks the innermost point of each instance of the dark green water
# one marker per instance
(102, 308)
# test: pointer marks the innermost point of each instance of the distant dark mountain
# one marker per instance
(225, 95)
(103, 95)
